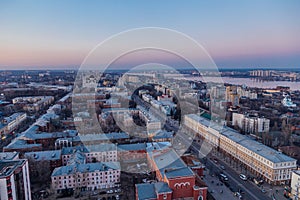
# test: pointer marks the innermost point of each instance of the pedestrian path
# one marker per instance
(218, 191)
(275, 192)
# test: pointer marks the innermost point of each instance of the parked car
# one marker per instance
(243, 177)
(222, 167)
(118, 190)
(238, 195)
(223, 177)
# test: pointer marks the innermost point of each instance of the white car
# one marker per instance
(243, 177)
(110, 191)
(223, 177)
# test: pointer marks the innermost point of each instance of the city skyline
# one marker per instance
(59, 35)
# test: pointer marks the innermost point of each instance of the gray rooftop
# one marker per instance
(84, 168)
(21, 144)
(157, 146)
(7, 167)
(44, 155)
(102, 136)
(89, 148)
(256, 147)
(132, 147)
(149, 191)
(171, 165)
(161, 134)
(8, 155)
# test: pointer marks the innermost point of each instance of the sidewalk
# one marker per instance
(215, 189)
(271, 190)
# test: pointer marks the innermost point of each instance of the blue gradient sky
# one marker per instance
(60, 33)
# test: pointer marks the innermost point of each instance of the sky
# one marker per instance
(59, 34)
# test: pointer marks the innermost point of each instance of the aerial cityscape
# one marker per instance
(158, 102)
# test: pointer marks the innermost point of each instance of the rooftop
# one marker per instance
(20, 144)
(77, 158)
(108, 136)
(85, 168)
(132, 147)
(297, 172)
(171, 165)
(161, 134)
(12, 117)
(153, 146)
(8, 155)
(89, 148)
(252, 145)
(44, 155)
(150, 191)
(7, 167)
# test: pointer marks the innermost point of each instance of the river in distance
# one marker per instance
(249, 82)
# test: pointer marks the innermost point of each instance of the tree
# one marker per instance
(40, 171)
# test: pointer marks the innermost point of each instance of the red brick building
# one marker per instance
(194, 163)
(171, 170)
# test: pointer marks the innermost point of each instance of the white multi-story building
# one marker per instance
(242, 92)
(34, 103)
(99, 153)
(152, 123)
(274, 166)
(295, 185)
(10, 123)
(14, 180)
(89, 176)
(251, 124)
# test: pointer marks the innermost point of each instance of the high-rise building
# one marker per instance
(295, 185)
(14, 180)
(251, 124)
(232, 95)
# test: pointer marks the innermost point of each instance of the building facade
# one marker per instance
(267, 163)
(9, 124)
(295, 185)
(14, 180)
(86, 177)
(251, 124)
(93, 153)
(176, 179)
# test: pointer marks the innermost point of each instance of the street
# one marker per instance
(250, 190)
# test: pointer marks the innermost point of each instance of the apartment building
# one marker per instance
(33, 103)
(12, 122)
(14, 180)
(176, 179)
(86, 177)
(251, 124)
(267, 163)
(232, 95)
(98, 152)
(295, 185)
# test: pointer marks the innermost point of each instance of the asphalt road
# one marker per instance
(251, 192)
